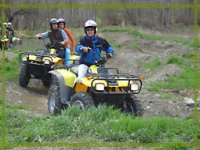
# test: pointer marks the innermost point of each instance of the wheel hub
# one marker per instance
(52, 103)
(79, 104)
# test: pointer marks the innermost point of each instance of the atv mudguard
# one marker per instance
(66, 83)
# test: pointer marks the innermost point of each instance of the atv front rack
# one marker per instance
(112, 84)
(40, 56)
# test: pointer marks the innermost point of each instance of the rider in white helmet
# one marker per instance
(10, 29)
(91, 41)
(9, 24)
(90, 24)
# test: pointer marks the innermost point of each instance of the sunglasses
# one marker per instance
(90, 29)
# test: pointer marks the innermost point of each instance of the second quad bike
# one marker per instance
(100, 85)
(17, 40)
(38, 64)
(7, 44)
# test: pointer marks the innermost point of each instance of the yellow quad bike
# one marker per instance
(100, 85)
(4, 41)
(38, 64)
(7, 43)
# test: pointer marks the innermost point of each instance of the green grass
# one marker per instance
(114, 29)
(175, 60)
(32, 33)
(165, 95)
(12, 67)
(188, 54)
(148, 36)
(152, 65)
(117, 46)
(95, 124)
(185, 80)
(136, 46)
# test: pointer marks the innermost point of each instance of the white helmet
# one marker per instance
(90, 23)
(9, 23)
(61, 20)
(53, 21)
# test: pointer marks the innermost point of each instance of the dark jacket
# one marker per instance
(55, 37)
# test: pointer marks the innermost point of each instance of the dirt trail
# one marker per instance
(126, 60)
(33, 97)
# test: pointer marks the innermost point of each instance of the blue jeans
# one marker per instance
(61, 53)
(10, 38)
(67, 56)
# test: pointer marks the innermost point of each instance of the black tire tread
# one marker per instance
(46, 81)
(54, 88)
(85, 98)
(133, 101)
(24, 76)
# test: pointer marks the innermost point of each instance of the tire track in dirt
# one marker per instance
(33, 97)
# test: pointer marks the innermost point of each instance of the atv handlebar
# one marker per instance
(48, 45)
(102, 60)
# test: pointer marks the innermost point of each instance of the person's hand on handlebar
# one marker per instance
(85, 49)
(38, 36)
(109, 55)
(62, 43)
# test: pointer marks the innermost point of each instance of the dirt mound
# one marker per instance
(33, 97)
(163, 73)
(154, 105)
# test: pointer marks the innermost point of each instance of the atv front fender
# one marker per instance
(66, 83)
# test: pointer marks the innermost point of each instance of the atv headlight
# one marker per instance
(46, 61)
(99, 87)
(24, 58)
(134, 87)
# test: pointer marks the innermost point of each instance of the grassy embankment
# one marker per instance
(100, 124)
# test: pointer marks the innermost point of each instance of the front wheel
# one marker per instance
(132, 106)
(82, 100)
(54, 101)
(24, 76)
(46, 81)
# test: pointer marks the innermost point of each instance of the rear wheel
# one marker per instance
(54, 101)
(24, 76)
(132, 106)
(82, 100)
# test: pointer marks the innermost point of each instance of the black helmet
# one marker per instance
(53, 21)
(61, 20)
